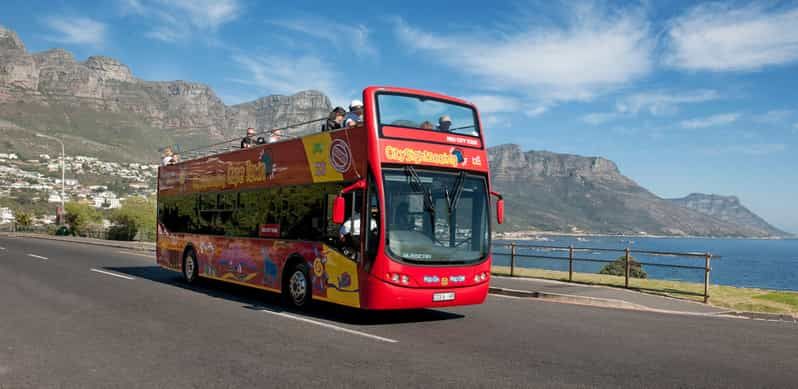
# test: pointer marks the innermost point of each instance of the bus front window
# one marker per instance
(436, 217)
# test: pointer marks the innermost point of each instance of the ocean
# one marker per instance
(769, 264)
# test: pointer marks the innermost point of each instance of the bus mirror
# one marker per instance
(500, 211)
(339, 210)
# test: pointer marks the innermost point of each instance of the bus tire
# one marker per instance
(190, 267)
(297, 289)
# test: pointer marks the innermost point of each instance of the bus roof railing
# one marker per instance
(233, 143)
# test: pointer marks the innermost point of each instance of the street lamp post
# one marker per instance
(63, 170)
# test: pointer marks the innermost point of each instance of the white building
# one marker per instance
(6, 215)
(55, 198)
(107, 200)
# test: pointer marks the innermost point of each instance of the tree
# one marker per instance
(618, 268)
(80, 217)
(136, 216)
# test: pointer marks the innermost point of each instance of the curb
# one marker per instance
(141, 246)
(621, 304)
(568, 298)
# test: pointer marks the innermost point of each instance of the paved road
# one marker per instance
(81, 316)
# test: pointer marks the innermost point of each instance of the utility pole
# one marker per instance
(63, 171)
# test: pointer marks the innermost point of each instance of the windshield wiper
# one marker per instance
(418, 186)
(457, 192)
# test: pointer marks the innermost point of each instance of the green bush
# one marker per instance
(81, 218)
(136, 216)
(618, 268)
(23, 219)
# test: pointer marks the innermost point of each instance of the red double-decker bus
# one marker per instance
(390, 214)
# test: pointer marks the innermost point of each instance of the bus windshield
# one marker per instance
(426, 114)
(436, 217)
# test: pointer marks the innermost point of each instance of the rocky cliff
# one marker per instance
(100, 102)
(561, 192)
(727, 208)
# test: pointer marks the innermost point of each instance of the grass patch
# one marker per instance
(781, 297)
(734, 298)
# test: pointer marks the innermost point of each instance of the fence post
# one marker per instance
(707, 258)
(571, 263)
(512, 259)
(627, 268)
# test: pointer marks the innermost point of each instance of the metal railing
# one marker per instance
(235, 143)
(626, 254)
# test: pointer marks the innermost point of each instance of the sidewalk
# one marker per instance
(597, 295)
(139, 246)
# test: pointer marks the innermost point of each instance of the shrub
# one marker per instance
(80, 217)
(137, 215)
(618, 268)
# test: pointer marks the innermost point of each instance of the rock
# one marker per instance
(9, 40)
(109, 69)
(563, 192)
(727, 208)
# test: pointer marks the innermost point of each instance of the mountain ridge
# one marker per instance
(569, 193)
(52, 92)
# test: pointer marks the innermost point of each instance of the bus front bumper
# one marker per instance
(382, 295)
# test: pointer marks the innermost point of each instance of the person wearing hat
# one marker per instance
(355, 115)
(249, 140)
(444, 123)
(335, 120)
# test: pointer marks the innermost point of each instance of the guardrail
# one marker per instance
(627, 253)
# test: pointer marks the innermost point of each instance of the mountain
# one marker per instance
(727, 208)
(561, 192)
(100, 108)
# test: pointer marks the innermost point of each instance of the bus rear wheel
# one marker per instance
(190, 267)
(296, 287)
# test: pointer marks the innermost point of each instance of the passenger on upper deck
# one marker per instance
(355, 115)
(426, 125)
(249, 140)
(335, 120)
(275, 135)
(168, 157)
(444, 123)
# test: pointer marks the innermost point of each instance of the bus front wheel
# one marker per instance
(296, 287)
(190, 267)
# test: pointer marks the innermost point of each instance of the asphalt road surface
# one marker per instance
(83, 316)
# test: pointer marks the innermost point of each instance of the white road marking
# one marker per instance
(331, 326)
(38, 256)
(150, 256)
(112, 274)
(2, 248)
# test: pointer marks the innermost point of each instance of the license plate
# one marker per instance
(448, 296)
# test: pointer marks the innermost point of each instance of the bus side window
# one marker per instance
(373, 229)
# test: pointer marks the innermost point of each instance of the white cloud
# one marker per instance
(179, 20)
(662, 102)
(76, 30)
(288, 75)
(537, 111)
(495, 103)
(775, 117)
(592, 52)
(599, 117)
(721, 37)
(756, 149)
(354, 37)
(711, 121)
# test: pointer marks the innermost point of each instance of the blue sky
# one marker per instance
(685, 97)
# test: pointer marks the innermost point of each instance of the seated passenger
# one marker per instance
(249, 140)
(335, 120)
(444, 123)
(426, 125)
(275, 135)
(168, 157)
(355, 115)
